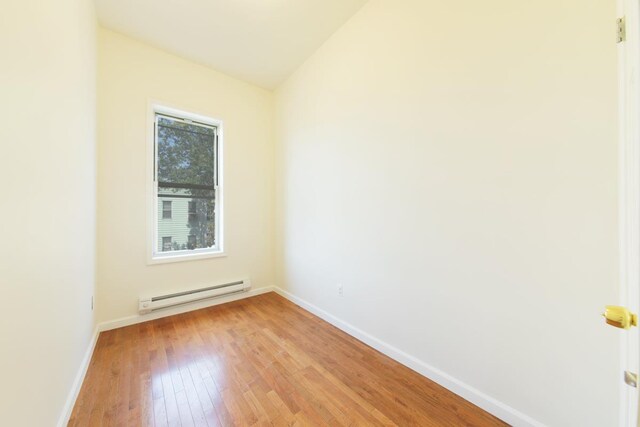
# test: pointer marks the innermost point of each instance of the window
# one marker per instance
(166, 209)
(166, 243)
(186, 186)
(193, 216)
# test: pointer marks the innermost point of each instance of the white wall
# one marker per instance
(453, 165)
(130, 75)
(47, 208)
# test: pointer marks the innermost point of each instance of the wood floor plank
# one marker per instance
(261, 361)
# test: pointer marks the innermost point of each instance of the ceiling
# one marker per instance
(259, 41)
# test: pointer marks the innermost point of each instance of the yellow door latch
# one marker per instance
(620, 317)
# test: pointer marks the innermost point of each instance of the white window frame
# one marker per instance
(153, 255)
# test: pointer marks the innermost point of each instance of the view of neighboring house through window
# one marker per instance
(186, 165)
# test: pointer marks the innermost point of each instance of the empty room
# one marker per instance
(320, 212)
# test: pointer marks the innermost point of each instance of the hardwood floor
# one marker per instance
(258, 361)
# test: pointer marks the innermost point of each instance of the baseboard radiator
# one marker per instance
(152, 303)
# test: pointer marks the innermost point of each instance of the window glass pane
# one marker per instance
(186, 185)
(183, 223)
(185, 152)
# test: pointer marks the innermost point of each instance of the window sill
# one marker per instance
(165, 259)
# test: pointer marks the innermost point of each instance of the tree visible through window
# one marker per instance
(187, 184)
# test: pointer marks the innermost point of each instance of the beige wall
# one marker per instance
(130, 75)
(453, 165)
(47, 167)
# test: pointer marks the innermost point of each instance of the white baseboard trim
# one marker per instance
(140, 318)
(473, 395)
(77, 382)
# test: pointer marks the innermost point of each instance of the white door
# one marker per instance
(629, 59)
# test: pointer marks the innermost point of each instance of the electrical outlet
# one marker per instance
(340, 290)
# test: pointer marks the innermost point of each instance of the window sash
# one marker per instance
(198, 190)
(215, 160)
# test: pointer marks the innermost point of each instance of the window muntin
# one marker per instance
(186, 168)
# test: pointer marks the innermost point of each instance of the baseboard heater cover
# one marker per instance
(152, 303)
